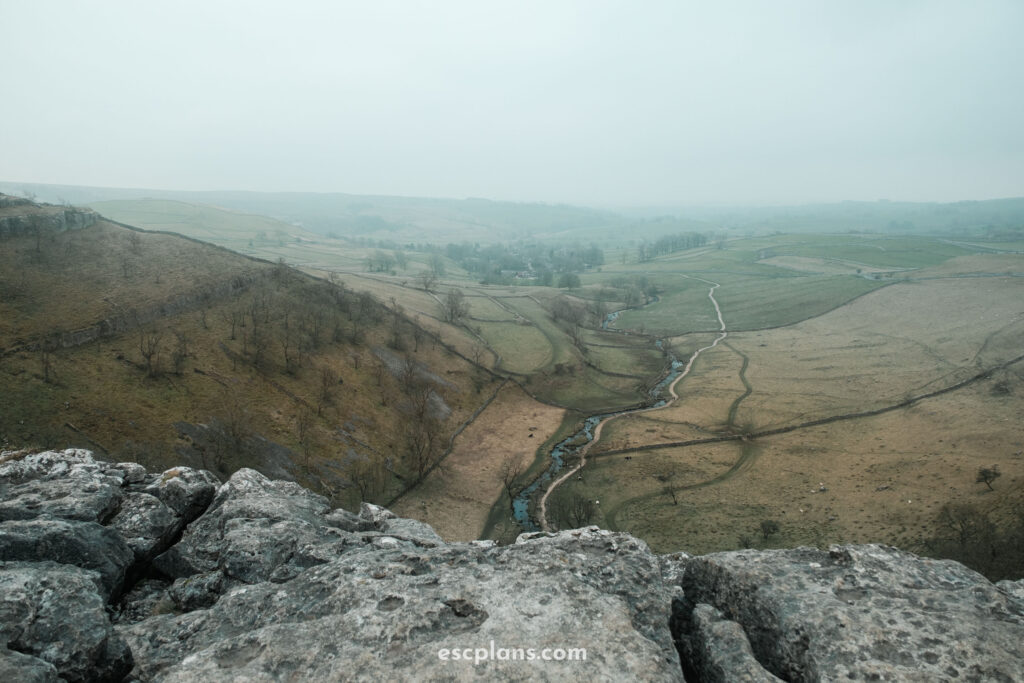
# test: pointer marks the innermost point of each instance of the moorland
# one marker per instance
(852, 384)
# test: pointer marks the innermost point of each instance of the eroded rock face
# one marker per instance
(385, 612)
(73, 533)
(99, 576)
(850, 613)
(54, 616)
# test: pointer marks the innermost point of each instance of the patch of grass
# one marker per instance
(523, 348)
(891, 252)
(642, 363)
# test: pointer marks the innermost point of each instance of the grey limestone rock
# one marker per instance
(81, 544)
(253, 527)
(68, 484)
(56, 613)
(347, 521)
(721, 651)
(145, 523)
(269, 583)
(186, 491)
(16, 666)
(397, 614)
(850, 613)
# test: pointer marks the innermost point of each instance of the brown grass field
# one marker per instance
(886, 476)
(457, 499)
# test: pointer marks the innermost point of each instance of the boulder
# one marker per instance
(81, 544)
(67, 484)
(257, 529)
(145, 523)
(850, 613)
(186, 491)
(55, 614)
(15, 666)
(381, 614)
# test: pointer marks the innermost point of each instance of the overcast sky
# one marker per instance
(590, 102)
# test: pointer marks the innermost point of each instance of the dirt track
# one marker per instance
(672, 391)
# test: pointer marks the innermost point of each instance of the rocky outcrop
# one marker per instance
(32, 218)
(74, 533)
(267, 582)
(849, 613)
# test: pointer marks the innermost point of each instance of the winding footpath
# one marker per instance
(722, 334)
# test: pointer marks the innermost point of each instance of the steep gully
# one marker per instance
(590, 433)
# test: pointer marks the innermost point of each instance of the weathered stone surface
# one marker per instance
(721, 651)
(48, 465)
(1013, 588)
(253, 527)
(347, 521)
(854, 612)
(81, 544)
(146, 598)
(68, 484)
(144, 522)
(56, 613)
(186, 491)
(270, 583)
(382, 614)
(198, 591)
(15, 666)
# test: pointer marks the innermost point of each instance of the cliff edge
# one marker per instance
(109, 572)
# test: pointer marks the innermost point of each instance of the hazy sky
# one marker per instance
(631, 102)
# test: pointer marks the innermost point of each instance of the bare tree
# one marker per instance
(423, 438)
(423, 446)
(289, 345)
(769, 527)
(987, 475)
(417, 335)
(259, 339)
(328, 382)
(410, 374)
(368, 474)
(234, 318)
(149, 347)
(231, 426)
(511, 468)
(180, 352)
(666, 477)
(304, 434)
(427, 280)
(455, 306)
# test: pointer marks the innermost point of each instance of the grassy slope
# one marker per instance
(100, 396)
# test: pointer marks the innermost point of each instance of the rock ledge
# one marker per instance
(108, 572)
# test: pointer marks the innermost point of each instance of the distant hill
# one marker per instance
(993, 217)
(398, 219)
(417, 220)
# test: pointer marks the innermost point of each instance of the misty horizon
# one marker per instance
(593, 104)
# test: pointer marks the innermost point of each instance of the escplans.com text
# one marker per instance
(476, 655)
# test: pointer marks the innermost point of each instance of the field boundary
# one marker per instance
(985, 374)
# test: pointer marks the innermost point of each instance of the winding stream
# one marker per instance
(581, 442)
